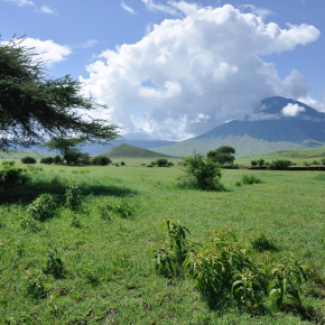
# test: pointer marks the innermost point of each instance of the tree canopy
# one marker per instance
(222, 155)
(34, 107)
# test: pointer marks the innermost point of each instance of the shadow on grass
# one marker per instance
(26, 194)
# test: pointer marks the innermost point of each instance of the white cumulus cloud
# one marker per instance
(292, 110)
(207, 62)
(47, 10)
(48, 51)
(127, 8)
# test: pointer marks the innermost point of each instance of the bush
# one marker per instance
(54, 265)
(306, 164)
(222, 155)
(261, 162)
(101, 161)
(11, 177)
(28, 160)
(280, 164)
(122, 163)
(43, 208)
(323, 161)
(170, 164)
(73, 197)
(34, 286)
(254, 163)
(150, 165)
(162, 162)
(117, 164)
(263, 244)
(207, 173)
(47, 160)
(121, 209)
(238, 183)
(250, 179)
(315, 162)
(8, 163)
(58, 159)
(153, 163)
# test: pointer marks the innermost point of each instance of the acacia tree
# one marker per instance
(222, 155)
(34, 107)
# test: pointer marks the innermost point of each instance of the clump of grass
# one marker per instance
(251, 179)
(320, 177)
(238, 183)
(43, 208)
(34, 285)
(76, 222)
(121, 209)
(54, 265)
(262, 244)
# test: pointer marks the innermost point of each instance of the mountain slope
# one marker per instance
(126, 151)
(249, 138)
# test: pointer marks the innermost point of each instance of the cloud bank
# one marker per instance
(195, 71)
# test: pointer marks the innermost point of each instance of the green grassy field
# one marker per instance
(111, 276)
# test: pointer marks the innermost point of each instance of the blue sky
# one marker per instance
(83, 30)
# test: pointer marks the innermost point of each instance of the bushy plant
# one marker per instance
(11, 177)
(28, 160)
(187, 182)
(34, 285)
(323, 161)
(315, 162)
(150, 166)
(54, 265)
(8, 163)
(262, 244)
(171, 254)
(279, 164)
(43, 208)
(76, 222)
(101, 161)
(162, 162)
(117, 164)
(153, 163)
(73, 197)
(58, 159)
(30, 224)
(206, 172)
(170, 164)
(261, 162)
(122, 209)
(122, 163)
(250, 179)
(253, 163)
(47, 160)
(33, 169)
(222, 155)
(238, 183)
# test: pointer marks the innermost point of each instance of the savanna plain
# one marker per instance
(108, 259)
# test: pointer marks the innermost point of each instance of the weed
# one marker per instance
(43, 208)
(30, 224)
(262, 244)
(170, 258)
(238, 183)
(250, 179)
(76, 222)
(74, 197)
(34, 285)
(124, 210)
(106, 211)
(54, 265)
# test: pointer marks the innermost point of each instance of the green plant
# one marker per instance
(306, 163)
(162, 162)
(43, 208)
(222, 155)
(170, 164)
(73, 197)
(101, 161)
(262, 244)
(238, 183)
(254, 163)
(34, 285)
(320, 177)
(279, 164)
(205, 171)
(76, 222)
(171, 254)
(261, 162)
(106, 211)
(117, 164)
(150, 165)
(34, 169)
(54, 265)
(315, 162)
(30, 224)
(28, 160)
(122, 163)
(11, 177)
(8, 163)
(47, 160)
(250, 179)
(323, 161)
(123, 210)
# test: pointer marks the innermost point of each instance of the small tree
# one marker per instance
(28, 160)
(58, 159)
(47, 160)
(206, 172)
(254, 163)
(222, 155)
(162, 162)
(261, 162)
(101, 161)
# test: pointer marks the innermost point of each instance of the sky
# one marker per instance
(176, 69)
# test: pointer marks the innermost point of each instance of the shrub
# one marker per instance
(30, 224)
(101, 161)
(47, 160)
(305, 163)
(34, 286)
(170, 164)
(54, 265)
(75, 221)
(122, 163)
(254, 163)
(238, 183)
(261, 162)
(11, 177)
(323, 161)
(43, 208)
(150, 165)
(250, 179)
(162, 162)
(187, 182)
(28, 160)
(170, 257)
(206, 172)
(73, 197)
(153, 163)
(117, 164)
(315, 162)
(8, 163)
(280, 164)
(121, 209)
(262, 244)
(58, 159)
(33, 169)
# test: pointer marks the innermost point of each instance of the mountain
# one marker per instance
(284, 124)
(126, 151)
(96, 149)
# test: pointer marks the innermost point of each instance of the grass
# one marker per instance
(109, 269)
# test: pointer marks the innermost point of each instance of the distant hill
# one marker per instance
(250, 138)
(126, 151)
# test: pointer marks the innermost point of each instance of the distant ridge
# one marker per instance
(126, 151)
